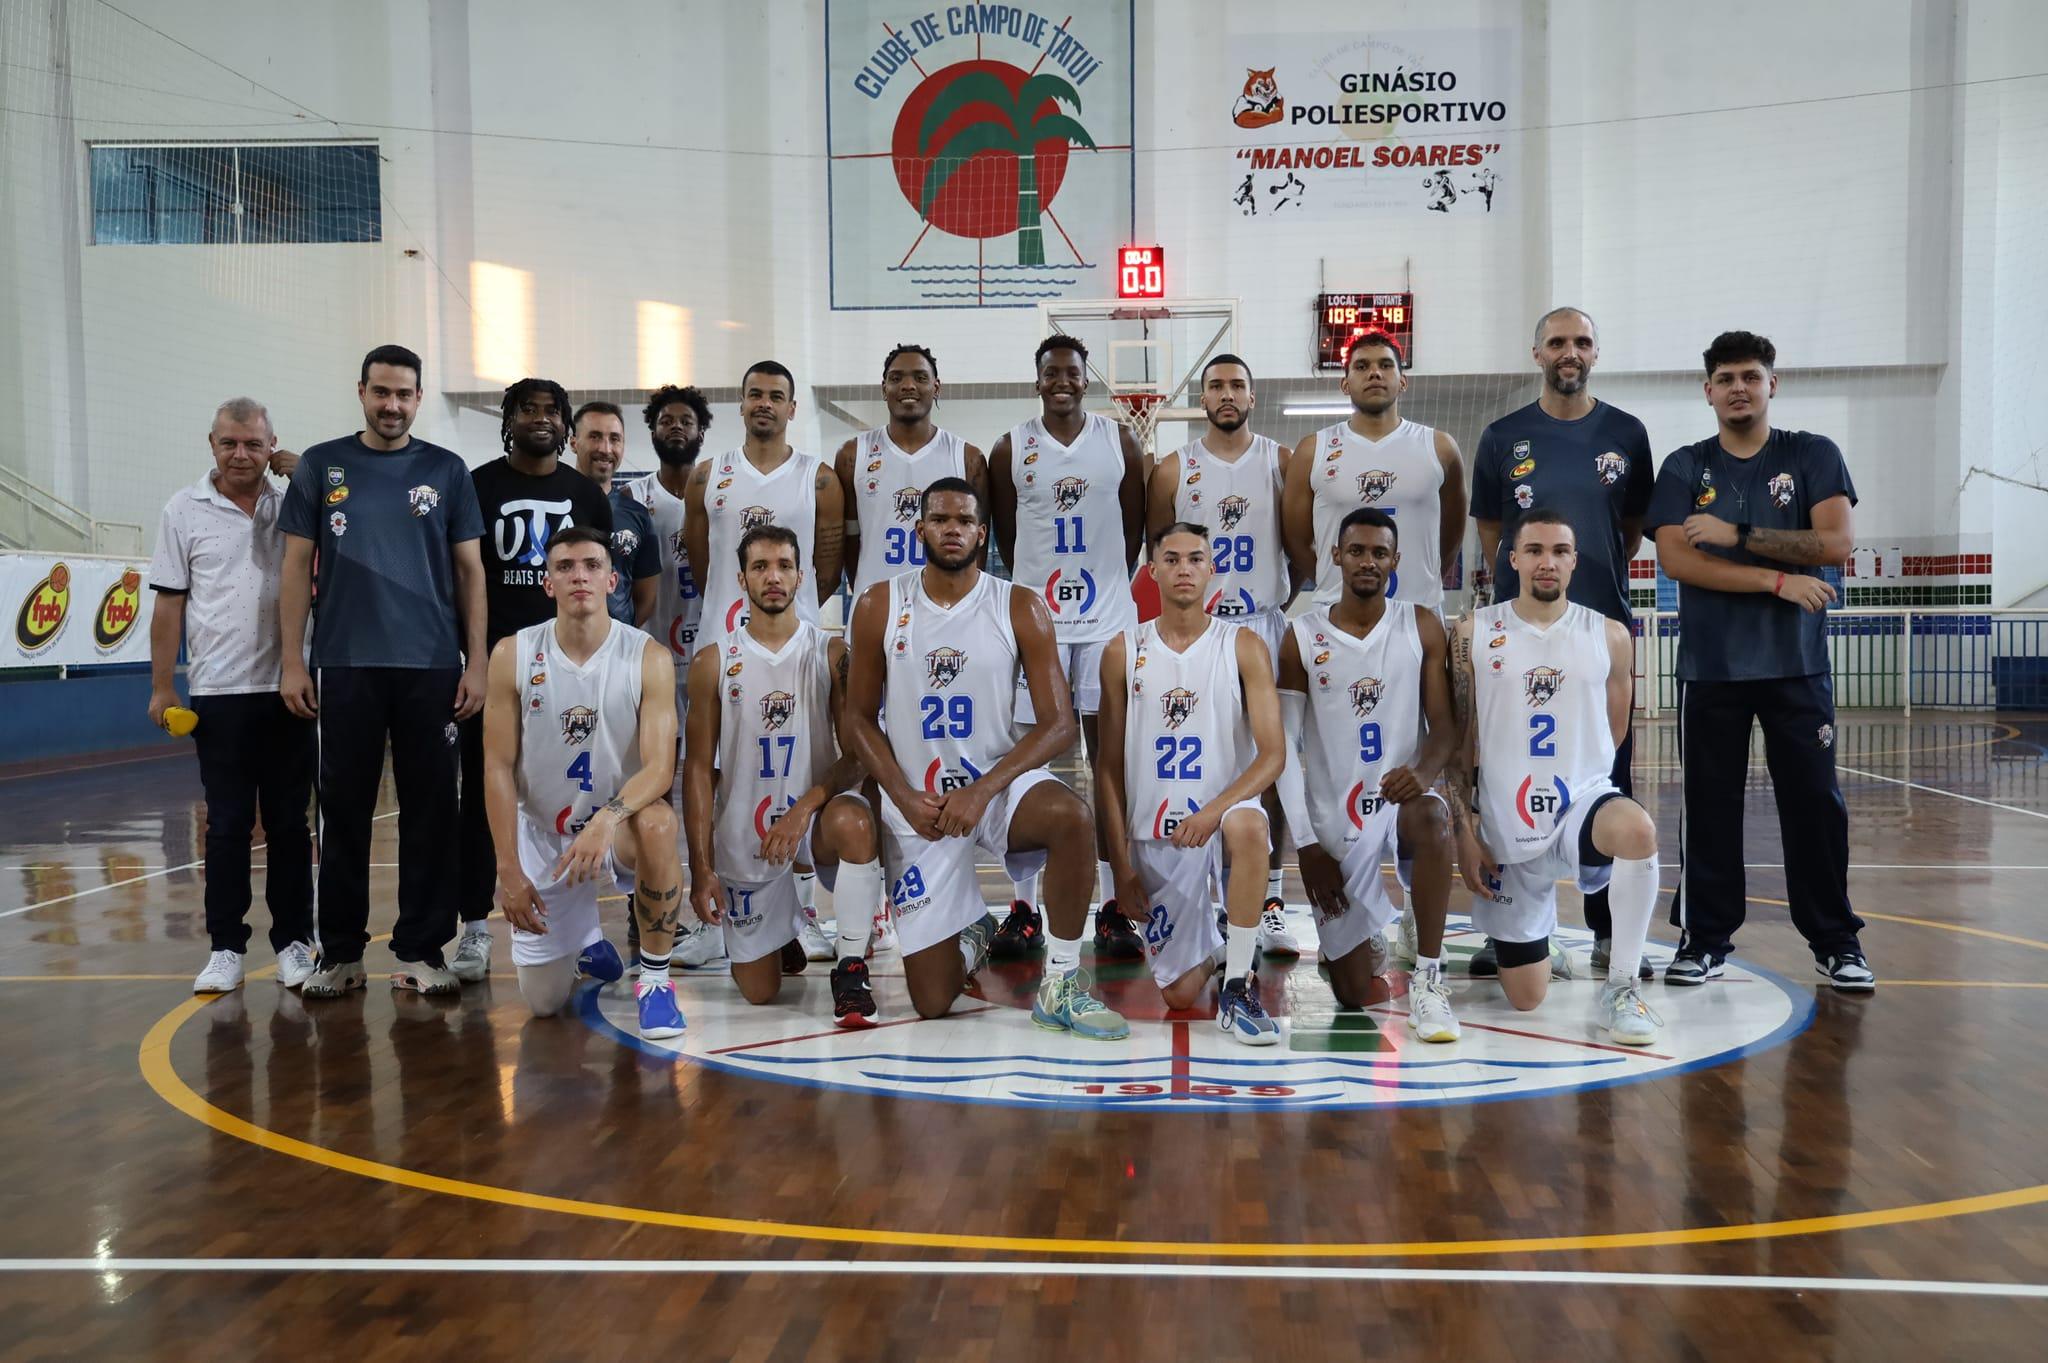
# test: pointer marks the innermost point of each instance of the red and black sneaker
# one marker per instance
(1022, 934)
(1116, 939)
(793, 958)
(853, 1003)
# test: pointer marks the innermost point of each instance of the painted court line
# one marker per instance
(898, 1268)
(1953, 795)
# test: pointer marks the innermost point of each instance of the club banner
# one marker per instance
(980, 155)
(1409, 122)
(73, 610)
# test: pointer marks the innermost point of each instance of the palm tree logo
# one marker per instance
(977, 113)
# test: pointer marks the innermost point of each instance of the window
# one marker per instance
(217, 194)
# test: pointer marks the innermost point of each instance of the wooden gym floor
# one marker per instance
(1791, 1174)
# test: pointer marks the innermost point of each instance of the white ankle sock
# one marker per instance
(1062, 954)
(1276, 882)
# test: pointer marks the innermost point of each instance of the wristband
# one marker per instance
(1779, 585)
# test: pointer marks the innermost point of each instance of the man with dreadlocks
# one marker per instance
(526, 497)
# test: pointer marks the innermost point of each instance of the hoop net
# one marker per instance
(1140, 413)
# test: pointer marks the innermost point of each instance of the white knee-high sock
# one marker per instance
(855, 896)
(1632, 899)
(1105, 884)
(1025, 888)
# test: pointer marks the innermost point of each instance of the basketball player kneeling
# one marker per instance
(1362, 681)
(762, 702)
(936, 658)
(1190, 731)
(570, 701)
(1545, 687)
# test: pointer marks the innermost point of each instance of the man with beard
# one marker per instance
(931, 714)
(526, 496)
(1067, 493)
(1571, 453)
(598, 435)
(1230, 480)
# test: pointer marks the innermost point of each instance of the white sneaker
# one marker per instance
(1560, 962)
(1630, 1022)
(1406, 950)
(811, 937)
(472, 960)
(883, 938)
(223, 974)
(698, 945)
(1429, 1007)
(294, 964)
(1274, 938)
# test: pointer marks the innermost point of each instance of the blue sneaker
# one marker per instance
(660, 1015)
(600, 961)
(1242, 1017)
(1065, 1005)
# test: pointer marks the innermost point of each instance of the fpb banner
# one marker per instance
(980, 155)
(73, 610)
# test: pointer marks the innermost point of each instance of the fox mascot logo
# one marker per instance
(1260, 104)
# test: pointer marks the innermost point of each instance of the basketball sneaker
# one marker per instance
(1629, 1021)
(1022, 934)
(793, 958)
(853, 1003)
(1561, 967)
(294, 964)
(811, 937)
(472, 960)
(223, 974)
(334, 979)
(883, 937)
(1064, 1004)
(1274, 939)
(1484, 963)
(423, 977)
(1406, 949)
(600, 961)
(1116, 937)
(1603, 948)
(698, 944)
(1848, 972)
(1429, 1006)
(979, 936)
(1242, 1017)
(1693, 966)
(660, 1015)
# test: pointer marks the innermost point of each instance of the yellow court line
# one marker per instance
(155, 1059)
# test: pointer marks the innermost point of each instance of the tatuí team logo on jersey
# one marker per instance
(1178, 706)
(988, 1051)
(776, 709)
(754, 517)
(1070, 593)
(1230, 511)
(1610, 466)
(1231, 604)
(1365, 695)
(1540, 684)
(942, 667)
(1374, 484)
(907, 499)
(1067, 493)
(579, 722)
(1780, 489)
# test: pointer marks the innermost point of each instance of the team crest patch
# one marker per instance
(1231, 510)
(754, 517)
(676, 550)
(1610, 466)
(449, 734)
(1541, 683)
(906, 502)
(1374, 484)
(1365, 695)
(1780, 489)
(1826, 735)
(422, 499)
(942, 666)
(1706, 497)
(1322, 681)
(336, 475)
(1067, 493)
(1178, 705)
(624, 542)
(1525, 496)
(337, 524)
(579, 722)
(776, 708)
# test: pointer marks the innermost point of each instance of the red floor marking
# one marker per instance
(1180, 1060)
(1539, 1036)
(841, 1031)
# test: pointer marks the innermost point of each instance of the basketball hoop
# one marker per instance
(1140, 413)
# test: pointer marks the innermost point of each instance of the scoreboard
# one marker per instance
(1342, 318)
(1141, 272)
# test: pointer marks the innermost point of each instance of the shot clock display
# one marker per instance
(1140, 272)
(1342, 318)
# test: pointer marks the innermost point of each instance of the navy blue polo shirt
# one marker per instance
(1595, 471)
(1748, 636)
(384, 525)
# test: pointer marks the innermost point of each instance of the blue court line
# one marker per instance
(1276, 1062)
(1167, 1078)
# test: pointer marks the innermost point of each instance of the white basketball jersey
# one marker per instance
(738, 497)
(774, 741)
(1401, 476)
(1364, 715)
(887, 484)
(1185, 732)
(579, 730)
(950, 699)
(1070, 528)
(1240, 503)
(676, 602)
(1543, 736)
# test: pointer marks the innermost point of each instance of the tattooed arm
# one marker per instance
(828, 543)
(1475, 861)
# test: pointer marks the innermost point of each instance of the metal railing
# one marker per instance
(36, 520)
(1893, 658)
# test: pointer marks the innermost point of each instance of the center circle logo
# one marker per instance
(1329, 1059)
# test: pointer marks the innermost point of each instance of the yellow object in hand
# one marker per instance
(178, 721)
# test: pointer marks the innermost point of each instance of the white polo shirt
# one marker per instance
(228, 564)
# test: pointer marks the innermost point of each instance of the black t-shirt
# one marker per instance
(1595, 471)
(1747, 636)
(521, 514)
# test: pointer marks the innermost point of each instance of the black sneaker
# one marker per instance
(1116, 939)
(793, 958)
(1693, 966)
(1484, 963)
(1022, 934)
(853, 1003)
(1848, 972)
(1601, 949)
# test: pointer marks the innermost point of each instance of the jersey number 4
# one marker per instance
(579, 771)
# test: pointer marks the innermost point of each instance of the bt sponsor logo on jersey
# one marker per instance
(1168, 816)
(907, 499)
(1178, 706)
(579, 722)
(776, 709)
(1067, 493)
(1067, 593)
(1533, 802)
(1240, 603)
(1361, 805)
(1231, 510)
(942, 667)
(1374, 484)
(1541, 684)
(770, 811)
(1610, 466)
(1365, 695)
(940, 778)
(569, 823)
